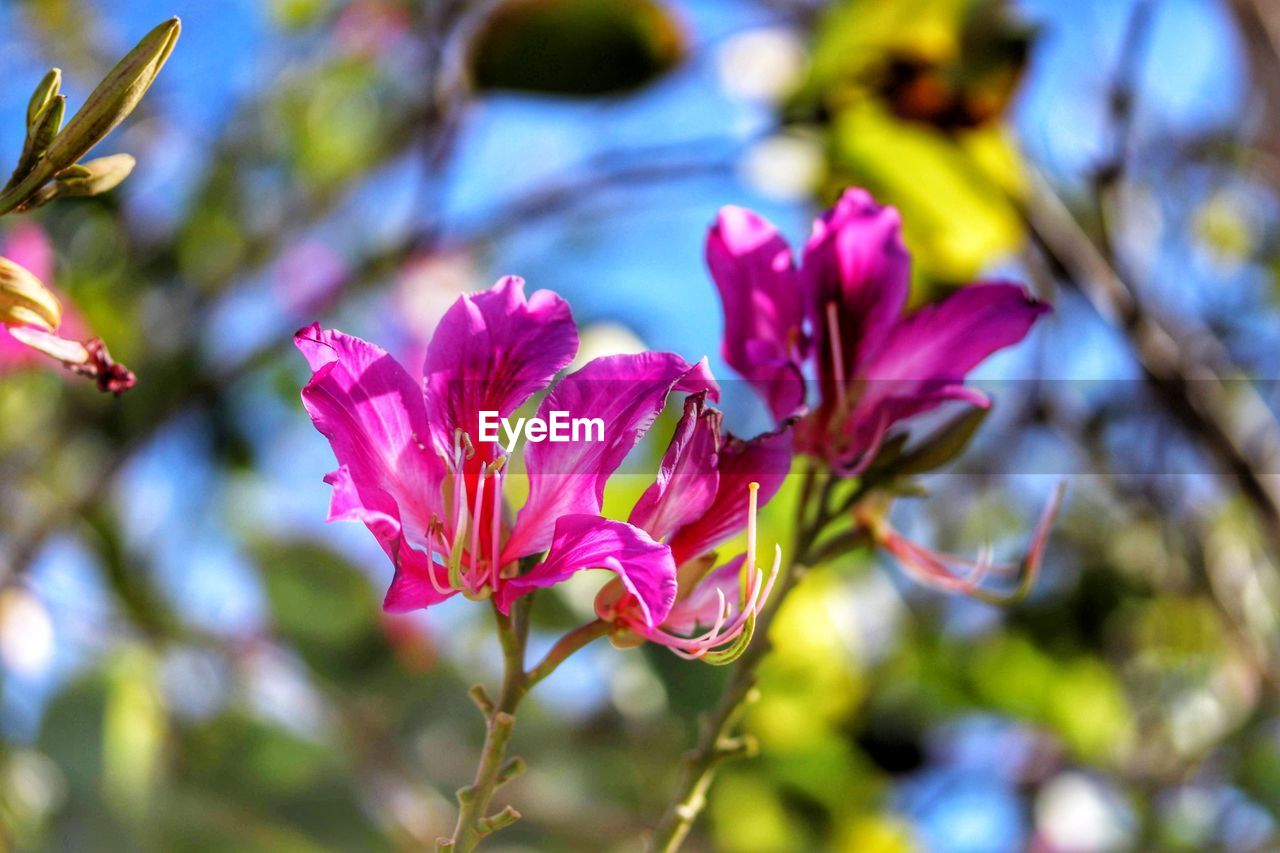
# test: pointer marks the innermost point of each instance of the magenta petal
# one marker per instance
(942, 342)
(626, 392)
(585, 542)
(411, 588)
(766, 460)
(373, 414)
(926, 357)
(858, 273)
(491, 351)
(687, 479)
(764, 306)
(855, 259)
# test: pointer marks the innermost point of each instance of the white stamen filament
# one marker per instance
(432, 530)
(459, 515)
(496, 527)
(721, 634)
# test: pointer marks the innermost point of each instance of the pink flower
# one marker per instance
(414, 470)
(21, 342)
(27, 246)
(841, 316)
(840, 320)
(707, 491)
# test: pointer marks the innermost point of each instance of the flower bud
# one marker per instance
(24, 301)
(50, 152)
(40, 135)
(116, 96)
(44, 94)
(44, 130)
(94, 177)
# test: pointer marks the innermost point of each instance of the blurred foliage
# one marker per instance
(911, 94)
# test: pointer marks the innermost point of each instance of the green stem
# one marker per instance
(716, 741)
(567, 645)
(473, 800)
(493, 769)
(15, 196)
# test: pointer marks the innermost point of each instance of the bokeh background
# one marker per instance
(192, 660)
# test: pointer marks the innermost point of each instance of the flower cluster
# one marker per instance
(837, 322)
(416, 467)
(414, 470)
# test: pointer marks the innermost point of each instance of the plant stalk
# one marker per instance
(493, 769)
(716, 741)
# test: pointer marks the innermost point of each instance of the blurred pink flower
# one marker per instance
(371, 27)
(842, 313)
(309, 276)
(842, 316)
(28, 246)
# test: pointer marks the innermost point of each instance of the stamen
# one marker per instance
(837, 354)
(432, 530)
(726, 638)
(496, 531)
(722, 616)
(749, 564)
(477, 507)
(943, 571)
(471, 448)
(459, 517)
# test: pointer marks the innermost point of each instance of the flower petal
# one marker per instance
(942, 342)
(764, 306)
(855, 259)
(373, 414)
(924, 361)
(765, 459)
(585, 542)
(687, 479)
(626, 392)
(492, 351)
(410, 588)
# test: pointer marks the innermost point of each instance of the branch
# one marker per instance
(1185, 365)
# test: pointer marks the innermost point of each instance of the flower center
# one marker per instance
(479, 577)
